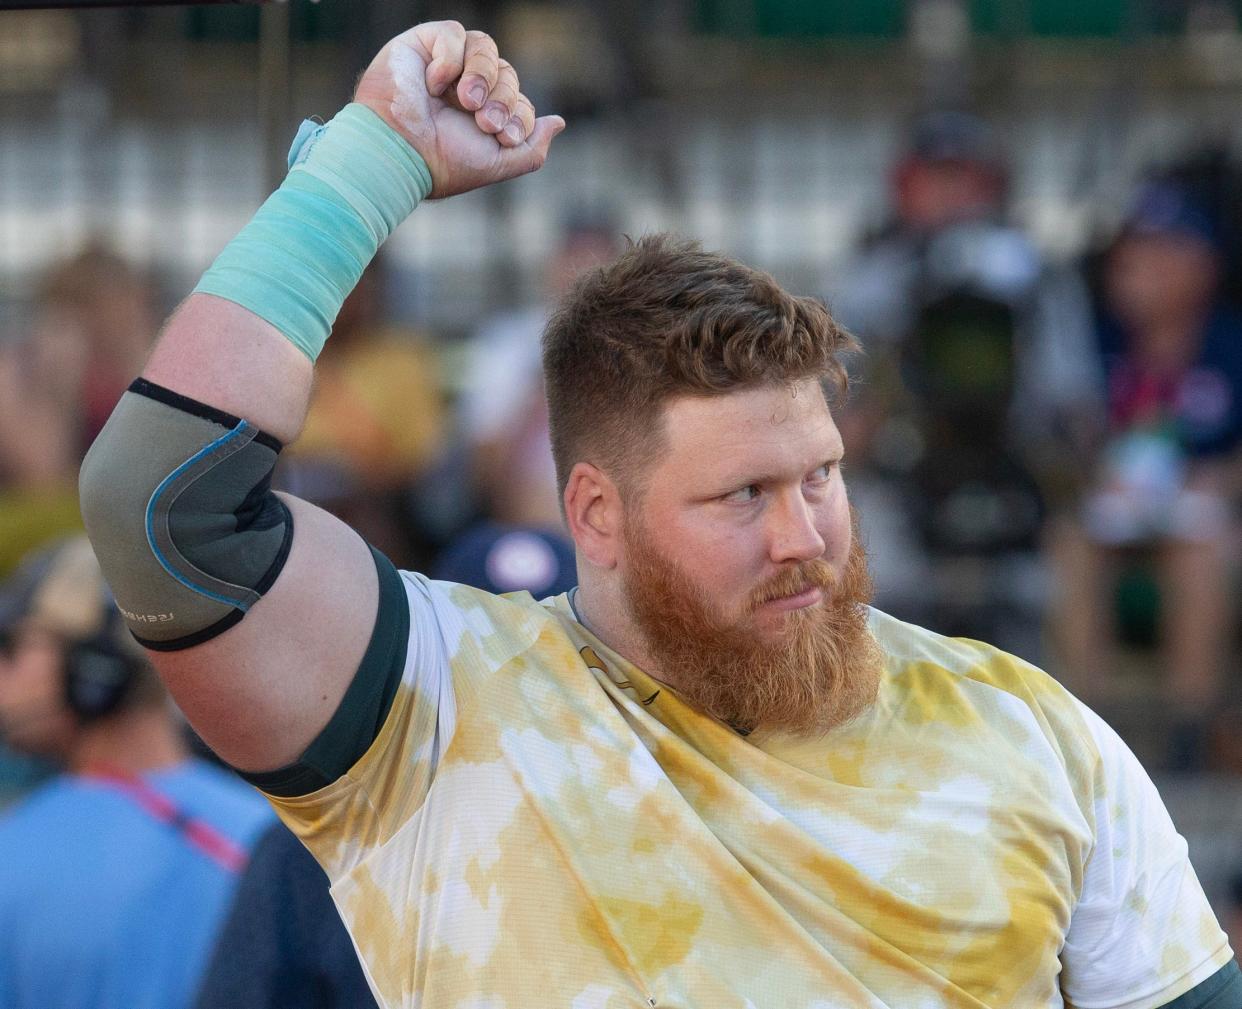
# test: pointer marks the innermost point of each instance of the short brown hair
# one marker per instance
(668, 319)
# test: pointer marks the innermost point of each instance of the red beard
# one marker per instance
(822, 670)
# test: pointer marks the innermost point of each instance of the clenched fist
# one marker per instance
(449, 93)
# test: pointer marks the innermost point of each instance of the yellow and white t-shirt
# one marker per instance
(539, 823)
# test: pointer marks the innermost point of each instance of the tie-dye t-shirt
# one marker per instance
(539, 823)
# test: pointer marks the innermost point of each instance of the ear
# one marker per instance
(593, 512)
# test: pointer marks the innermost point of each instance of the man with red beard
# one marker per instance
(710, 775)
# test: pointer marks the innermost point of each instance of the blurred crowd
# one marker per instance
(1045, 455)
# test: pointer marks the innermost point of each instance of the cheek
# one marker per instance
(720, 561)
(32, 676)
(836, 527)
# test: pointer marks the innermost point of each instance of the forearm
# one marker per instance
(176, 491)
(246, 341)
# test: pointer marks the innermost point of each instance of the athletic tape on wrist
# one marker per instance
(351, 182)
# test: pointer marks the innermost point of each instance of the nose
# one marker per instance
(793, 534)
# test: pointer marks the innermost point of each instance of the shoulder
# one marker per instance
(473, 622)
(962, 658)
(1222, 344)
(53, 800)
(43, 832)
(962, 681)
(904, 642)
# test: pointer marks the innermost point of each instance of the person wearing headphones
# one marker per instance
(115, 874)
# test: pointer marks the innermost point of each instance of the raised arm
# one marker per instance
(175, 491)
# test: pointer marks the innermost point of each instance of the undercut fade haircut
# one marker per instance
(668, 319)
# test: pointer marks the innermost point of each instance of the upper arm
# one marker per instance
(217, 352)
(1142, 932)
(261, 692)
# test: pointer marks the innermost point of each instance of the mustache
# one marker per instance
(816, 574)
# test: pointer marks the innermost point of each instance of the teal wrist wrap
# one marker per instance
(351, 182)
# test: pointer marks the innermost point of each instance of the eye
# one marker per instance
(744, 495)
(822, 474)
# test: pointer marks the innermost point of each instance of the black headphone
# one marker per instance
(98, 674)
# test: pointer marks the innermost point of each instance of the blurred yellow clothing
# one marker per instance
(30, 518)
(376, 411)
(540, 823)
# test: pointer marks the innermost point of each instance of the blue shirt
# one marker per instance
(104, 906)
(1200, 407)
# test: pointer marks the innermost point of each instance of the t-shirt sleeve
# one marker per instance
(366, 704)
(458, 637)
(1142, 933)
(385, 785)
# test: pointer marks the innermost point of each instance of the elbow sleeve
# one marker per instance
(177, 500)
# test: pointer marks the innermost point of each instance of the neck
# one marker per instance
(136, 741)
(601, 609)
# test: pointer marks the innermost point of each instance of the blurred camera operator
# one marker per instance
(978, 376)
(114, 875)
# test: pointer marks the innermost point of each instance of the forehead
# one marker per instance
(770, 430)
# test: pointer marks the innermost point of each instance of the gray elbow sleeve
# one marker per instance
(177, 500)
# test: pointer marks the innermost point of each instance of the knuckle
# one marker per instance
(454, 26)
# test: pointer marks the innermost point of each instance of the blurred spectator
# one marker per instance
(977, 375)
(506, 558)
(375, 423)
(93, 324)
(18, 774)
(38, 446)
(503, 413)
(115, 874)
(1212, 178)
(283, 945)
(1166, 481)
(114, 310)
